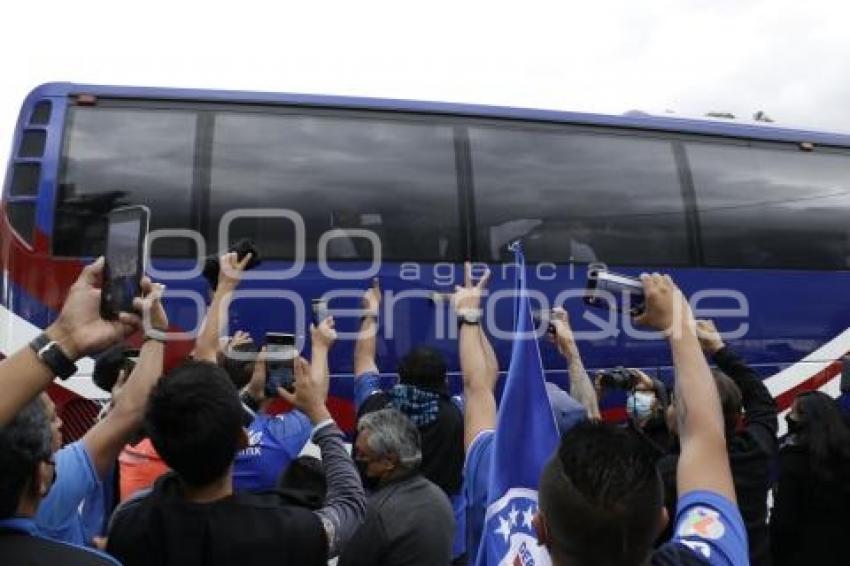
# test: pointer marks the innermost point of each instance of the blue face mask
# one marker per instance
(639, 405)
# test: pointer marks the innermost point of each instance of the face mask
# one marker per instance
(794, 426)
(369, 483)
(639, 405)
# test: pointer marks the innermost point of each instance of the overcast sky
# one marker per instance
(786, 57)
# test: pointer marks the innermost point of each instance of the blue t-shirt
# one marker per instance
(365, 385)
(476, 477)
(58, 516)
(273, 442)
(709, 530)
(476, 471)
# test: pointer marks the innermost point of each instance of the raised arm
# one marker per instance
(229, 276)
(364, 348)
(345, 502)
(476, 360)
(581, 388)
(105, 440)
(704, 462)
(758, 403)
(78, 331)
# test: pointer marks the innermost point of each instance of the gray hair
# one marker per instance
(391, 432)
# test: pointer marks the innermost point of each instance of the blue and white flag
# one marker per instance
(526, 437)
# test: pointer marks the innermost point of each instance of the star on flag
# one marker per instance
(509, 520)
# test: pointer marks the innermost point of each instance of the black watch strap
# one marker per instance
(250, 401)
(53, 357)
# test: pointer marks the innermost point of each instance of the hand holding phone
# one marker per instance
(320, 311)
(280, 355)
(125, 260)
(615, 292)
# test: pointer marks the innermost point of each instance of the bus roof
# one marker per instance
(643, 122)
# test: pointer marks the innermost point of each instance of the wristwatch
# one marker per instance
(51, 355)
(469, 316)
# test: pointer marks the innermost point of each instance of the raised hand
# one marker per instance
(563, 337)
(468, 297)
(310, 391)
(150, 305)
(231, 269)
(79, 329)
(256, 388)
(324, 335)
(709, 337)
(371, 302)
(666, 308)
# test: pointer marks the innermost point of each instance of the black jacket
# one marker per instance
(751, 453)
(18, 547)
(162, 529)
(810, 517)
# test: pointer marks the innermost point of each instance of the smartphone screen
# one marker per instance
(126, 233)
(280, 359)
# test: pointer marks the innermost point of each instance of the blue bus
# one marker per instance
(752, 219)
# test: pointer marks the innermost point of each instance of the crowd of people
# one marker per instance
(186, 465)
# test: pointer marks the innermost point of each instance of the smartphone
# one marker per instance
(542, 317)
(125, 259)
(613, 291)
(280, 362)
(320, 311)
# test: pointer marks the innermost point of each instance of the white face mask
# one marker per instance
(639, 405)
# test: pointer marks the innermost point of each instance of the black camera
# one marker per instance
(619, 378)
(242, 248)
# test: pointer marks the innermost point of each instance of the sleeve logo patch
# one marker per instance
(702, 522)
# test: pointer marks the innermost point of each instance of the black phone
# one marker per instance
(280, 362)
(127, 230)
(614, 291)
(320, 311)
(541, 318)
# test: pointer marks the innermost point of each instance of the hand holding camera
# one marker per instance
(218, 270)
(666, 308)
(624, 379)
(231, 269)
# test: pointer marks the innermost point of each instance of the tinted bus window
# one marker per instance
(394, 178)
(772, 207)
(120, 156)
(578, 197)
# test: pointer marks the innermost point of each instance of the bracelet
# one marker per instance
(149, 337)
